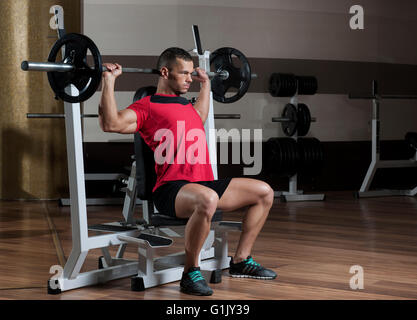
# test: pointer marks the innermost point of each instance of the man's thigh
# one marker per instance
(188, 198)
(242, 192)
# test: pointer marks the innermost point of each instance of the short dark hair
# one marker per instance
(169, 56)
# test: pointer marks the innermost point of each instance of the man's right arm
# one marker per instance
(110, 119)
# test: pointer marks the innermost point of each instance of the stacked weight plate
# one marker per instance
(285, 85)
(311, 156)
(282, 85)
(285, 157)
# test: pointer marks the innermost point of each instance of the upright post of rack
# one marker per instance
(376, 163)
(204, 63)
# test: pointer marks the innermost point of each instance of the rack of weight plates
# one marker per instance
(294, 154)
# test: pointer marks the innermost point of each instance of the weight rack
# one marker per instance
(293, 194)
(376, 163)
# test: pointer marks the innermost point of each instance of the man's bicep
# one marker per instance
(203, 115)
(128, 121)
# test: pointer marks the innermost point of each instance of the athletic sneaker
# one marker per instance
(194, 283)
(249, 268)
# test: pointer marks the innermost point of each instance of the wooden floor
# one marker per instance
(311, 245)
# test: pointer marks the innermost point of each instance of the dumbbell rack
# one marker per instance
(293, 194)
(376, 163)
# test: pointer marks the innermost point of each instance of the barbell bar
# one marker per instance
(61, 115)
(66, 67)
(281, 119)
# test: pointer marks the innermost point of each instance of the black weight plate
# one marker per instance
(315, 152)
(307, 85)
(300, 154)
(289, 127)
(308, 162)
(269, 156)
(284, 157)
(301, 123)
(317, 162)
(319, 155)
(239, 77)
(286, 84)
(293, 157)
(273, 161)
(287, 152)
(276, 165)
(277, 156)
(312, 153)
(272, 88)
(304, 119)
(314, 156)
(279, 164)
(84, 78)
(307, 155)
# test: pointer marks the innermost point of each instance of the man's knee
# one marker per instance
(207, 203)
(266, 194)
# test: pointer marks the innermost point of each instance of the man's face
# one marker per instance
(179, 76)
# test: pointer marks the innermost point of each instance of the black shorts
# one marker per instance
(164, 197)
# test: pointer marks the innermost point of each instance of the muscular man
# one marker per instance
(184, 188)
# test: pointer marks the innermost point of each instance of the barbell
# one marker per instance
(66, 67)
(92, 115)
(295, 119)
(74, 69)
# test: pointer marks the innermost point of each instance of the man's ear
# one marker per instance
(164, 72)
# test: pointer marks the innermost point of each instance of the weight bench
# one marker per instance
(159, 229)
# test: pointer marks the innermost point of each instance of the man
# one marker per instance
(184, 188)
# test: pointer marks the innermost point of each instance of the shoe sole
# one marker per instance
(252, 277)
(195, 293)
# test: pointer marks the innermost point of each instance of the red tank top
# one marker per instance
(173, 129)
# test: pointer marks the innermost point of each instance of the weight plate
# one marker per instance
(307, 155)
(300, 150)
(319, 156)
(292, 165)
(273, 89)
(289, 127)
(301, 123)
(269, 156)
(277, 156)
(239, 77)
(284, 153)
(286, 84)
(83, 77)
(304, 119)
(307, 85)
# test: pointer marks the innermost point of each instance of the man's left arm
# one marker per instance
(202, 105)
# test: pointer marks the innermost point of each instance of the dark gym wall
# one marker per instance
(33, 161)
